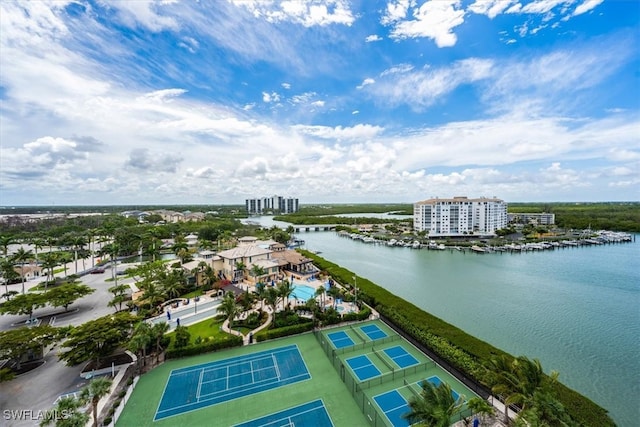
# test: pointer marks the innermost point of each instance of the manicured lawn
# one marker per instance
(206, 328)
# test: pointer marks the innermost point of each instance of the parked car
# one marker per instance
(98, 271)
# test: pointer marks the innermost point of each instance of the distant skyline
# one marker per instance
(328, 101)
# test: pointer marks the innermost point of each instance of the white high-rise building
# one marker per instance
(271, 204)
(460, 216)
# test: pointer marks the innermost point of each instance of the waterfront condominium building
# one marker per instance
(271, 204)
(533, 218)
(460, 216)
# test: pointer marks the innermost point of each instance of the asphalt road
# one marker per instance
(38, 389)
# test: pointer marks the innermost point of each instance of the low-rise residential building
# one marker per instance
(460, 216)
(544, 218)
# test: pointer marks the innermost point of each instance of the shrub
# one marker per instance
(182, 337)
(285, 331)
(206, 347)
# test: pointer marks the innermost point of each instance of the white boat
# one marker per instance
(415, 244)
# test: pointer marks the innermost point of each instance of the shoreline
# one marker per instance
(602, 237)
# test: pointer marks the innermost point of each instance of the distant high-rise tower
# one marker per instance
(276, 204)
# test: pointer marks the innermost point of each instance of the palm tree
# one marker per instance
(180, 247)
(229, 308)
(335, 293)
(544, 411)
(504, 382)
(518, 380)
(271, 297)
(37, 243)
(200, 271)
(64, 258)
(9, 274)
(78, 241)
(67, 413)
(481, 407)
(152, 293)
(49, 262)
(5, 241)
(91, 234)
(93, 392)
(312, 305)
(261, 290)
(285, 289)
(320, 292)
(171, 286)
(140, 340)
(158, 330)
(435, 406)
(257, 272)
(20, 257)
(239, 266)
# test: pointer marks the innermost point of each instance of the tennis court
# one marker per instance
(393, 405)
(199, 386)
(373, 332)
(311, 414)
(400, 356)
(340, 339)
(362, 367)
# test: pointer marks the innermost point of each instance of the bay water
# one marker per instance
(577, 309)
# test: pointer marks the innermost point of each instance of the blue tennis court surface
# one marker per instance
(362, 367)
(208, 384)
(401, 357)
(340, 339)
(373, 332)
(312, 414)
(435, 380)
(394, 406)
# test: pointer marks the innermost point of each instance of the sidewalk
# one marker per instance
(245, 338)
(194, 312)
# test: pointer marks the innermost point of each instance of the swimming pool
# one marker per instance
(303, 292)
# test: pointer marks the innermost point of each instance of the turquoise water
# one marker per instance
(575, 309)
(303, 292)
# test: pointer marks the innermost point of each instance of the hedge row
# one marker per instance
(204, 347)
(361, 315)
(467, 353)
(268, 334)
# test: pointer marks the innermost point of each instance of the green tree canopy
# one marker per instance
(15, 343)
(65, 295)
(23, 304)
(97, 338)
(182, 336)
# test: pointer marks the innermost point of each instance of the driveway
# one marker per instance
(38, 389)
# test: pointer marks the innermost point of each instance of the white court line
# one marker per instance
(275, 365)
(199, 385)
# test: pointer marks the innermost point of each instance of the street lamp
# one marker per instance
(355, 285)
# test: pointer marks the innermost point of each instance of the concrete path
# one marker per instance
(246, 338)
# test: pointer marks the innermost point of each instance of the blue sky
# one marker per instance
(333, 101)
